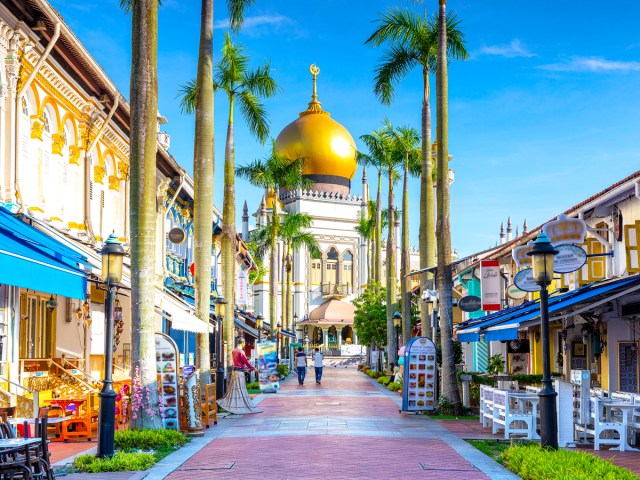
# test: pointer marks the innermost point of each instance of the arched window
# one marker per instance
(331, 267)
(347, 269)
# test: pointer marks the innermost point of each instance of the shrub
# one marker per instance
(395, 386)
(532, 462)
(120, 462)
(384, 380)
(253, 386)
(283, 370)
(366, 369)
(148, 439)
(496, 364)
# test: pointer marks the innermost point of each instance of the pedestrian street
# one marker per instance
(347, 428)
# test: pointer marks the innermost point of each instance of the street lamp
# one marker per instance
(278, 329)
(112, 258)
(397, 321)
(259, 321)
(542, 255)
(295, 321)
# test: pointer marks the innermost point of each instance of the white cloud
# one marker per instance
(514, 49)
(257, 21)
(592, 64)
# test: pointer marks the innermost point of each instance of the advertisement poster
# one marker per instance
(268, 365)
(419, 389)
(167, 372)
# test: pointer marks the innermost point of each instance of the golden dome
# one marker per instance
(329, 149)
(269, 201)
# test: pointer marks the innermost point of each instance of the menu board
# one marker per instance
(419, 388)
(167, 374)
(268, 365)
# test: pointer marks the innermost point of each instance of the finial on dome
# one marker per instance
(314, 104)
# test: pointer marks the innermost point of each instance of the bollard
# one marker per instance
(466, 390)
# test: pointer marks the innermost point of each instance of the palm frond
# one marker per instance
(396, 64)
(236, 10)
(188, 95)
(260, 81)
(396, 25)
(254, 114)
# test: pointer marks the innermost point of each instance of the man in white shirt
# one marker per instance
(317, 365)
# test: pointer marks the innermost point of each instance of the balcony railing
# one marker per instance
(337, 289)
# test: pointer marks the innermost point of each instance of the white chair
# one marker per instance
(486, 405)
(599, 424)
(506, 414)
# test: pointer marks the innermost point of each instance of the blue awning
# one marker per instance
(31, 259)
(245, 327)
(506, 325)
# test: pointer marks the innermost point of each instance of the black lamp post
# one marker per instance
(295, 321)
(542, 259)
(259, 321)
(397, 322)
(112, 257)
(278, 329)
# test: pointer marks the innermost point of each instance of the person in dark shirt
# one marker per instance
(301, 365)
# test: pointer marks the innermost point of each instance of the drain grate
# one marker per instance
(228, 466)
(439, 469)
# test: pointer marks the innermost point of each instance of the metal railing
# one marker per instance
(337, 289)
(25, 406)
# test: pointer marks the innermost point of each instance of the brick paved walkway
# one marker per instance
(348, 428)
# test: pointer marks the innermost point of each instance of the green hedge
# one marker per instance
(148, 439)
(384, 380)
(120, 462)
(532, 462)
(395, 386)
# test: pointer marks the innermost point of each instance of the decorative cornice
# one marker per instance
(57, 144)
(123, 170)
(37, 127)
(74, 154)
(98, 173)
(114, 183)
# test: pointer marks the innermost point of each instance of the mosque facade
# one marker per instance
(324, 287)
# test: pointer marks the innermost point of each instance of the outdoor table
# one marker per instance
(533, 399)
(12, 444)
(64, 403)
(627, 410)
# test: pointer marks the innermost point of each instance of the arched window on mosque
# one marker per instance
(331, 266)
(316, 272)
(347, 269)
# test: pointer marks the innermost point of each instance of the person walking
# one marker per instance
(301, 365)
(318, 357)
(237, 399)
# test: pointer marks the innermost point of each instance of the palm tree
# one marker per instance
(246, 87)
(413, 43)
(378, 145)
(443, 278)
(144, 111)
(275, 172)
(406, 141)
(366, 228)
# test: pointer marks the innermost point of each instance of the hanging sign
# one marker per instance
(515, 293)
(524, 281)
(569, 258)
(470, 303)
(268, 365)
(521, 255)
(167, 374)
(565, 230)
(177, 235)
(419, 389)
(490, 285)
(241, 288)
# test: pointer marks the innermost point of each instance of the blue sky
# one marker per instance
(544, 114)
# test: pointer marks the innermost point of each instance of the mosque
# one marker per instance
(323, 288)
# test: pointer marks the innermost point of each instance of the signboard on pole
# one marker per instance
(470, 303)
(524, 281)
(167, 376)
(419, 388)
(569, 258)
(491, 285)
(268, 365)
(241, 288)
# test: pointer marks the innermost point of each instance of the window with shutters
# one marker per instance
(631, 236)
(595, 268)
(316, 272)
(347, 268)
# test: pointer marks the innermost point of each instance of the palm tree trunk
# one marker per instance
(228, 240)
(444, 280)
(378, 255)
(392, 341)
(427, 227)
(144, 111)
(289, 304)
(203, 181)
(405, 266)
(273, 274)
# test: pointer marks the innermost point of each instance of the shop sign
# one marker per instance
(177, 235)
(167, 375)
(268, 365)
(521, 255)
(524, 281)
(490, 285)
(241, 288)
(569, 258)
(419, 389)
(515, 293)
(470, 303)
(565, 230)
